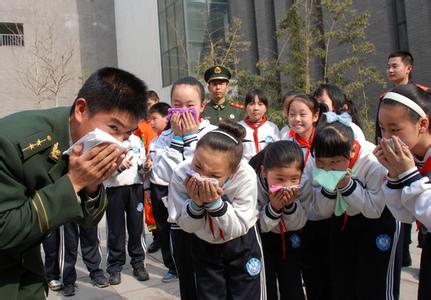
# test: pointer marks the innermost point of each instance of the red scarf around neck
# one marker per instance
(255, 128)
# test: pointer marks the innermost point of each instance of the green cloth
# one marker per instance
(340, 205)
(228, 110)
(329, 181)
(36, 196)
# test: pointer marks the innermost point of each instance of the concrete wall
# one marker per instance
(138, 44)
(18, 62)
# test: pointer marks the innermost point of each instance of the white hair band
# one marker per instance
(226, 134)
(406, 101)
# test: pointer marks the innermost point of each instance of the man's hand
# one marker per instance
(87, 171)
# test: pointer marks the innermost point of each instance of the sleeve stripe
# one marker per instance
(188, 139)
(327, 194)
(406, 181)
(270, 213)
(348, 190)
(195, 214)
(290, 210)
(44, 211)
(38, 217)
(410, 175)
(219, 211)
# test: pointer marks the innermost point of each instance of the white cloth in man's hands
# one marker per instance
(97, 137)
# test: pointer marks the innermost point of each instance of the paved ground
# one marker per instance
(131, 289)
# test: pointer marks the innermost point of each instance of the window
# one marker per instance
(12, 34)
(185, 28)
(172, 40)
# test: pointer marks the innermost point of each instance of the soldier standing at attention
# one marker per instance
(219, 108)
(41, 188)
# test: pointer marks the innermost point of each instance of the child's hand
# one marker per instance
(202, 192)
(148, 165)
(378, 153)
(399, 157)
(177, 124)
(192, 188)
(345, 181)
(289, 196)
(189, 125)
(126, 163)
(276, 200)
(209, 192)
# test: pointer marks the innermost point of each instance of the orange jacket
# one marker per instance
(146, 133)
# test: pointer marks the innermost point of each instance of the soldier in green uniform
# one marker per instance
(219, 108)
(41, 189)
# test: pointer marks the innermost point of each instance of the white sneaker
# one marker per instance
(55, 285)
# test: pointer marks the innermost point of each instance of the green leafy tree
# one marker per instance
(315, 29)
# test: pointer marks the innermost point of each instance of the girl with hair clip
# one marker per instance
(214, 197)
(173, 146)
(347, 189)
(259, 131)
(279, 169)
(404, 121)
(336, 101)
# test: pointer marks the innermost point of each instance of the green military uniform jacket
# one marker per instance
(226, 111)
(36, 196)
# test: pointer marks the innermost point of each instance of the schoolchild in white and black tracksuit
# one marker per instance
(259, 131)
(170, 150)
(125, 193)
(409, 198)
(279, 166)
(363, 233)
(403, 116)
(313, 246)
(258, 136)
(226, 247)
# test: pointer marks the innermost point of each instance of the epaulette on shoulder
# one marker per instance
(236, 105)
(35, 143)
(423, 87)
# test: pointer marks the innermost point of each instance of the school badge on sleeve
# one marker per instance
(295, 241)
(383, 242)
(253, 266)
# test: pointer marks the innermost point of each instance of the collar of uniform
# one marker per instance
(218, 106)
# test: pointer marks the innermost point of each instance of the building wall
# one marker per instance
(418, 14)
(97, 37)
(138, 45)
(37, 17)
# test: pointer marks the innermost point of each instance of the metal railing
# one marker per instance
(12, 40)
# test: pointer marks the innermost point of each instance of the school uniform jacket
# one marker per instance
(130, 176)
(408, 197)
(227, 218)
(363, 194)
(168, 151)
(36, 194)
(258, 137)
(357, 131)
(289, 219)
